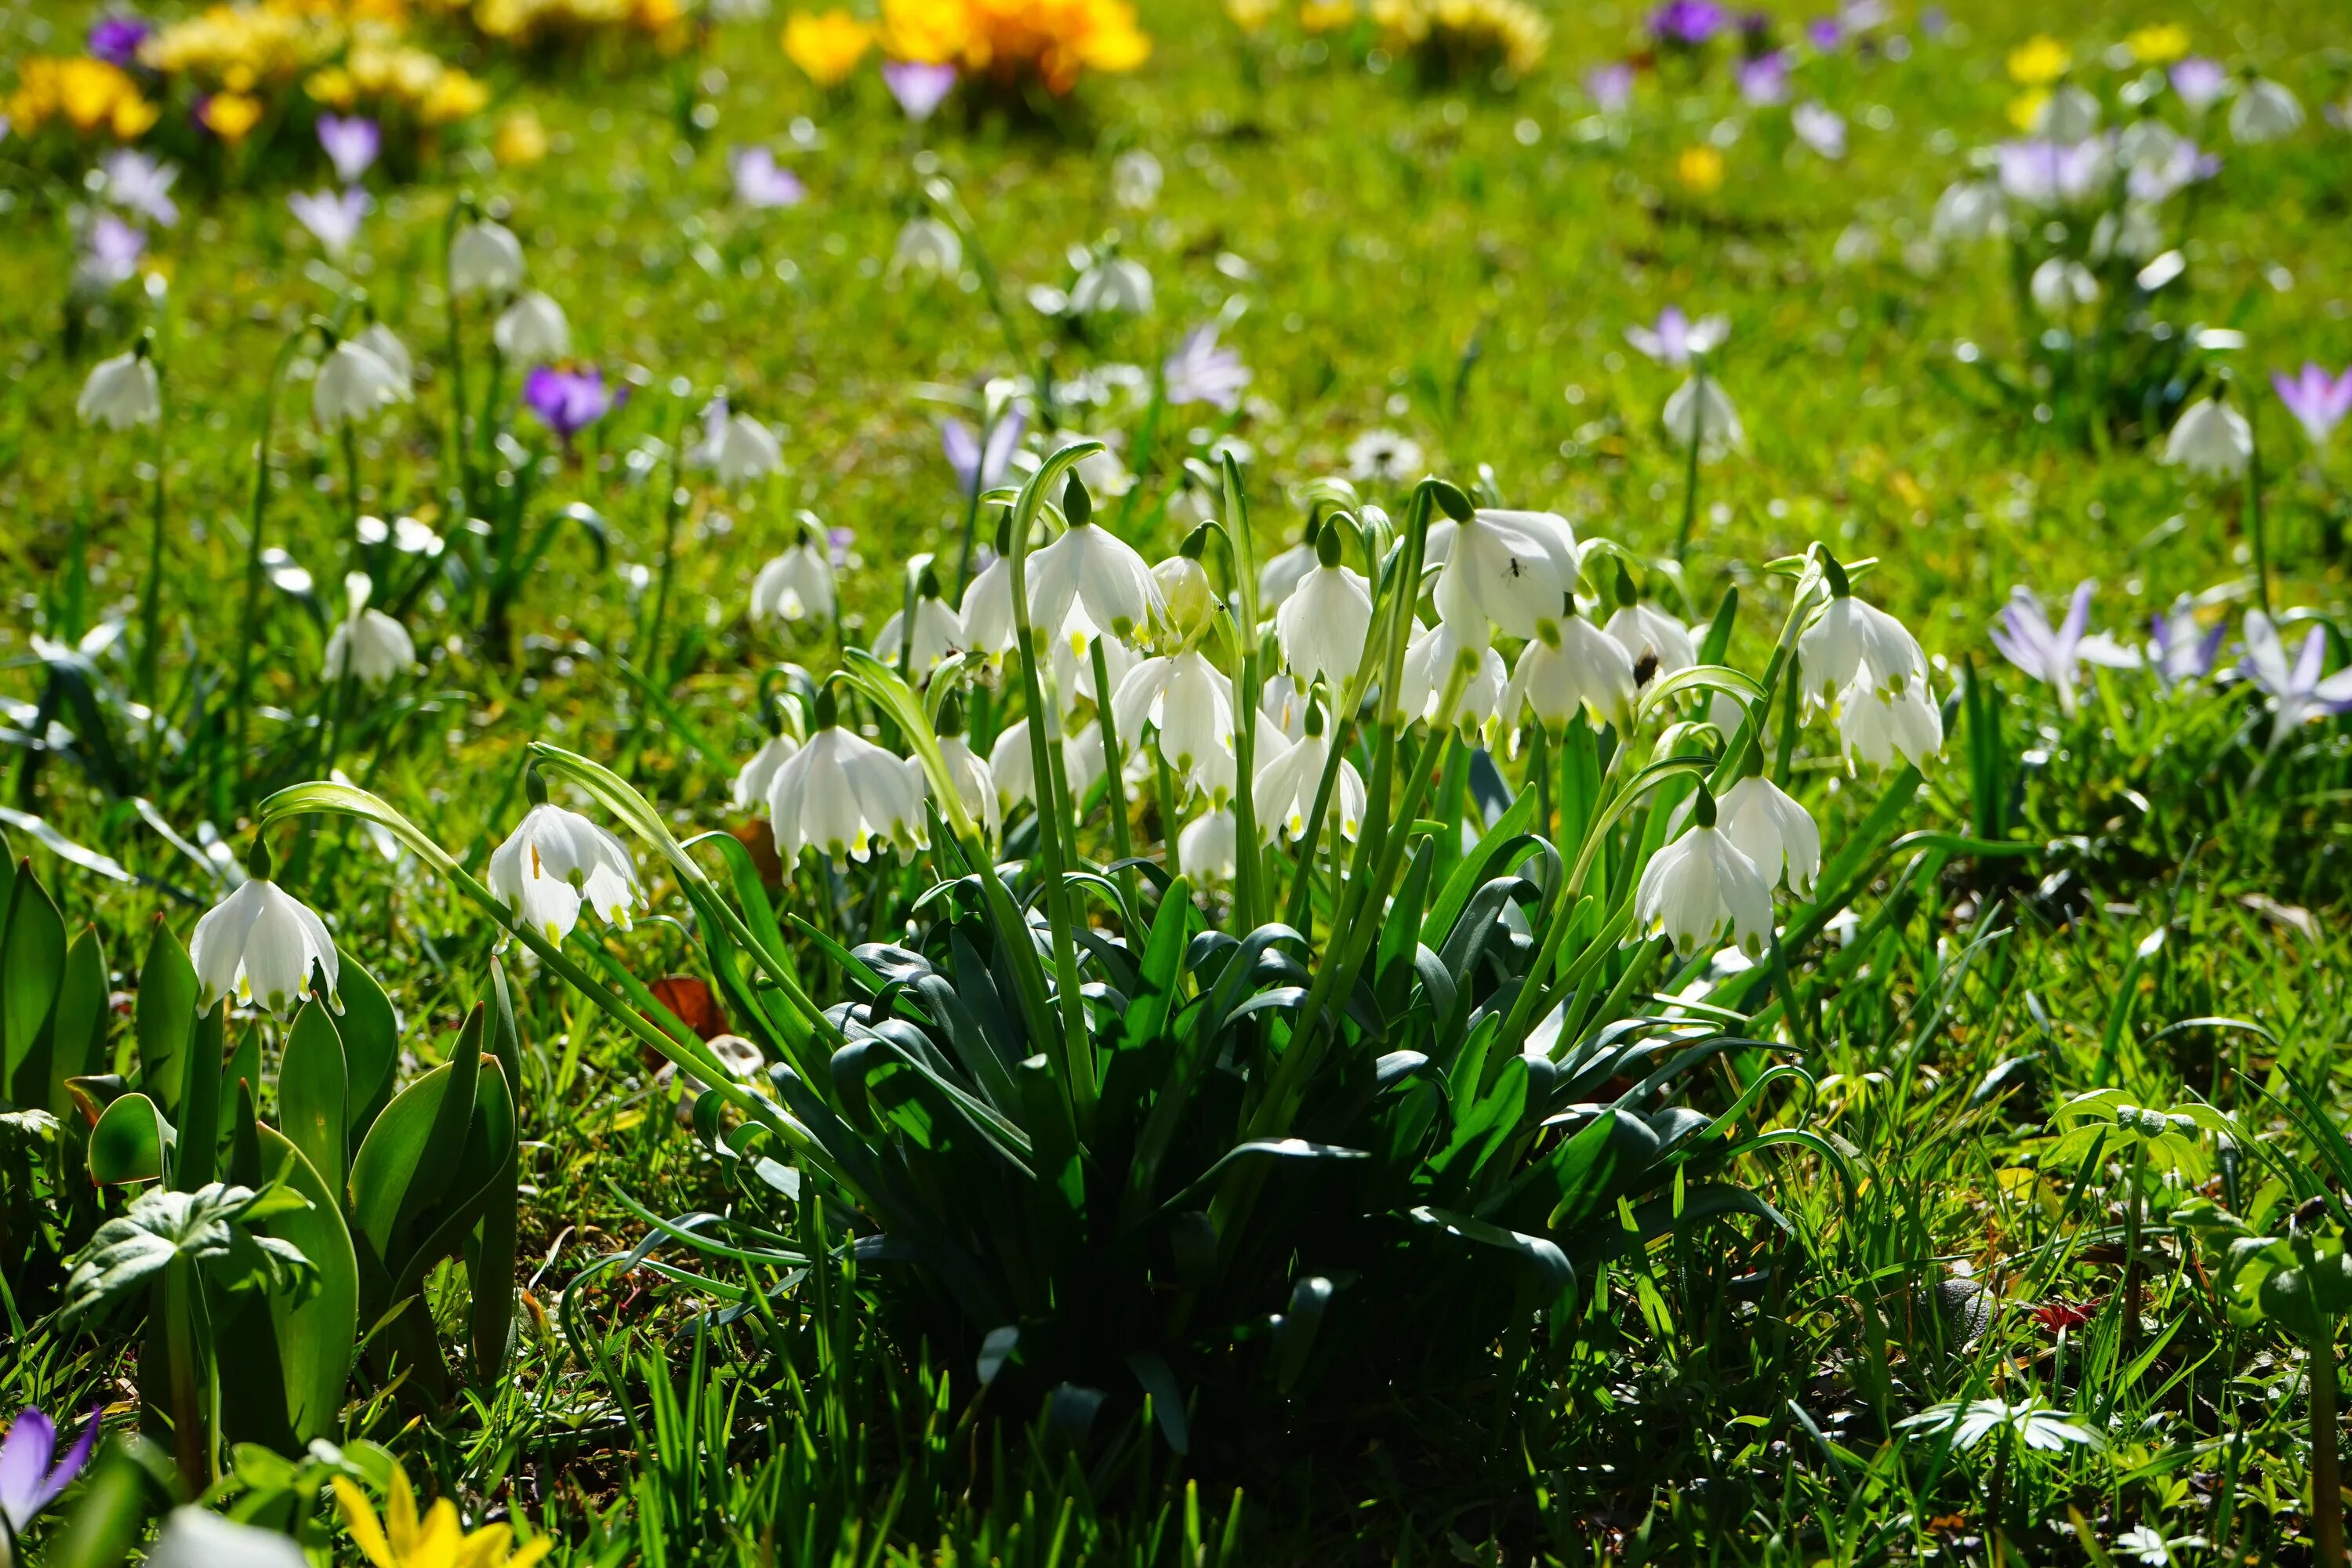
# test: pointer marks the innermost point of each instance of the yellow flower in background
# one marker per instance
(2039, 61)
(1326, 16)
(401, 1539)
(90, 95)
(132, 118)
(1251, 16)
(332, 87)
(231, 116)
(521, 141)
(658, 15)
(2160, 45)
(1052, 41)
(2025, 109)
(1700, 170)
(826, 47)
(455, 97)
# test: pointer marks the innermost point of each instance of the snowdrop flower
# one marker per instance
(969, 772)
(333, 217)
(121, 391)
(2264, 111)
(1014, 768)
(1190, 702)
(260, 945)
(2318, 401)
(2300, 693)
(1282, 707)
(138, 183)
(350, 143)
(2053, 656)
(840, 795)
(796, 585)
(1136, 178)
(1573, 668)
(194, 1539)
(1322, 625)
(554, 861)
(751, 780)
(1201, 372)
(28, 1482)
(2070, 114)
(927, 245)
(736, 446)
(485, 258)
(1089, 582)
(1820, 127)
(939, 631)
(532, 328)
(1288, 780)
(1384, 457)
(2211, 438)
(1970, 210)
(987, 611)
(2059, 284)
(1655, 642)
(1850, 640)
(1114, 285)
(1438, 658)
(353, 384)
(1676, 340)
(1878, 725)
(1701, 882)
(1776, 835)
(369, 645)
(1101, 472)
(1280, 577)
(1187, 602)
(1513, 568)
(1700, 410)
(1209, 844)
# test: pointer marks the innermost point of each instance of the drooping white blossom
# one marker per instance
(554, 861)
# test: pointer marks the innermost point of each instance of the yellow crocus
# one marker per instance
(2158, 44)
(401, 1539)
(332, 87)
(133, 117)
(826, 46)
(231, 116)
(1250, 16)
(521, 141)
(2039, 61)
(1700, 170)
(455, 97)
(1326, 16)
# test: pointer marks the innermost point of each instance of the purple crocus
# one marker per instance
(351, 142)
(2178, 651)
(116, 39)
(110, 250)
(1688, 23)
(2318, 401)
(1824, 33)
(2053, 656)
(1202, 372)
(1764, 80)
(138, 183)
(2302, 693)
(29, 1482)
(919, 86)
(761, 182)
(2181, 166)
(1676, 340)
(567, 401)
(978, 466)
(333, 217)
(2053, 173)
(2200, 82)
(1612, 87)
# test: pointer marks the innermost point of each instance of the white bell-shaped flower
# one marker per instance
(927, 245)
(1288, 778)
(1970, 210)
(796, 585)
(2211, 438)
(354, 384)
(194, 1538)
(840, 795)
(1073, 673)
(485, 257)
(1573, 668)
(1701, 883)
(1878, 725)
(751, 780)
(1187, 698)
(1115, 285)
(1700, 409)
(1656, 642)
(1282, 705)
(987, 611)
(1851, 638)
(939, 631)
(1447, 657)
(740, 449)
(2059, 284)
(1280, 577)
(975, 786)
(1512, 567)
(1322, 625)
(1773, 831)
(2264, 111)
(369, 645)
(1012, 765)
(1187, 601)
(1088, 582)
(261, 944)
(554, 861)
(2068, 116)
(532, 329)
(384, 343)
(1210, 846)
(121, 392)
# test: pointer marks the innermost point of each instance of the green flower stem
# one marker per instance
(1114, 779)
(1690, 464)
(457, 448)
(249, 624)
(151, 598)
(1166, 779)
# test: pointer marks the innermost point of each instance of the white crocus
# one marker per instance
(369, 645)
(1013, 766)
(2211, 438)
(532, 329)
(1512, 567)
(353, 384)
(1851, 638)
(1572, 667)
(485, 257)
(1701, 882)
(382, 341)
(796, 585)
(1651, 636)
(1765, 824)
(1087, 583)
(939, 631)
(1877, 724)
(2264, 111)
(751, 780)
(1700, 408)
(1187, 699)
(1287, 782)
(261, 944)
(555, 860)
(1443, 658)
(975, 786)
(121, 391)
(840, 795)
(1322, 625)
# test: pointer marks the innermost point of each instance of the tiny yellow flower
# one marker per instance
(2160, 45)
(2025, 109)
(133, 117)
(332, 87)
(1326, 16)
(1251, 16)
(455, 97)
(2039, 61)
(401, 1539)
(827, 46)
(1700, 170)
(521, 141)
(231, 116)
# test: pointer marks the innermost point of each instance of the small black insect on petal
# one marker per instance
(1645, 667)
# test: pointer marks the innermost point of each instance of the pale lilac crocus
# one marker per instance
(1688, 23)
(2181, 166)
(2299, 692)
(1824, 33)
(1612, 87)
(2178, 651)
(351, 142)
(567, 401)
(29, 1481)
(110, 251)
(2200, 82)
(333, 217)
(2047, 173)
(2318, 401)
(2054, 656)
(761, 182)
(1820, 127)
(116, 39)
(1764, 80)
(138, 183)
(978, 466)
(919, 86)
(1677, 340)
(1202, 372)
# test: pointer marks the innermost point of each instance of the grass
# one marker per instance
(1459, 267)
